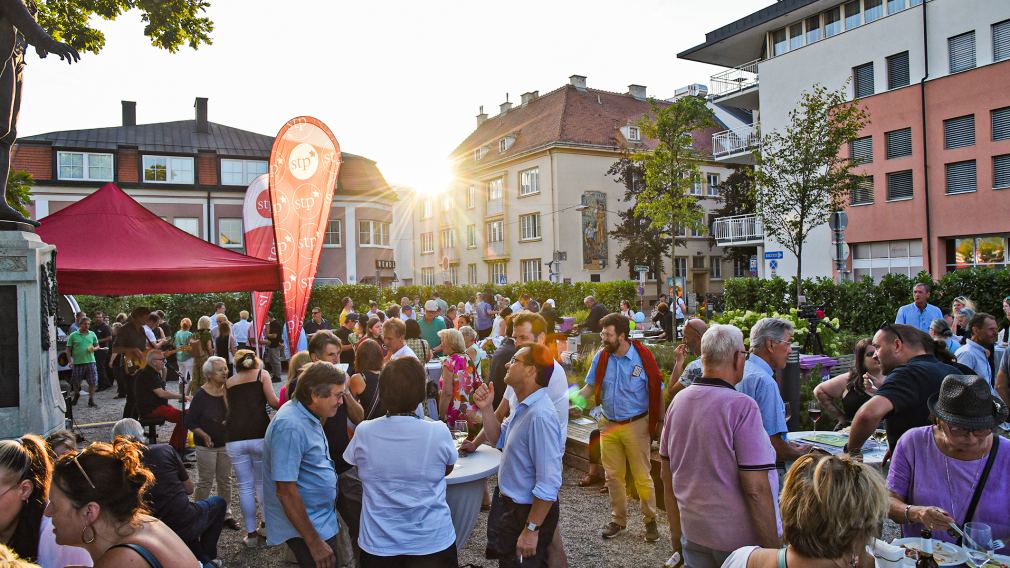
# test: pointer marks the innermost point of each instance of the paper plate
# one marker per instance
(945, 553)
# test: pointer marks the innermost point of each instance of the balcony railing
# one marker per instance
(735, 79)
(738, 230)
(736, 141)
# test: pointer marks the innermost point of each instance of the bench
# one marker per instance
(845, 363)
(577, 456)
(151, 423)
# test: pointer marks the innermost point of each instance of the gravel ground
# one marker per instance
(583, 513)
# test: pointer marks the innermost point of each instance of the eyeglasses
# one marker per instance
(965, 432)
(515, 360)
(81, 469)
(889, 327)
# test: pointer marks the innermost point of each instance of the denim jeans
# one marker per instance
(247, 459)
(201, 537)
(698, 556)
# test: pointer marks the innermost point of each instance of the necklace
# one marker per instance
(950, 490)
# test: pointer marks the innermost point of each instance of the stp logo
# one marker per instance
(263, 204)
(307, 242)
(303, 161)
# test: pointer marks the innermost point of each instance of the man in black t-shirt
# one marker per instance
(316, 323)
(343, 333)
(151, 397)
(130, 344)
(104, 334)
(275, 330)
(596, 313)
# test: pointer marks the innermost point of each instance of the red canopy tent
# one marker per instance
(133, 251)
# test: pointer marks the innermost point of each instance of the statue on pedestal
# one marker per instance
(17, 29)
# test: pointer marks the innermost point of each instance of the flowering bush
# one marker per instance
(745, 320)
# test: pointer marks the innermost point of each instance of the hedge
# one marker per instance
(862, 306)
(567, 297)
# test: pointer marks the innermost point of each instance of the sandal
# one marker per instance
(590, 480)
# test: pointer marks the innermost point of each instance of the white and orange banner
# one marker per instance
(304, 165)
(257, 218)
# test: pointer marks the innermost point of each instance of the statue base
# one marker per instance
(16, 226)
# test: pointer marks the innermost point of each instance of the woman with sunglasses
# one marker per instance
(841, 396)
(97, 503)
(25, 473)
(958, 304)
(937, 470)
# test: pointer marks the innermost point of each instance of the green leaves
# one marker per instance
(19, 190)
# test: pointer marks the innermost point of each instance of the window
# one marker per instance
(471, 274)
(679, 230)
(373, 233)
(496, 231)
(1001, 41)
(899, 143)
(529, 182)
(861, 150)
(853, 14)
(529, 227)
(895, 6)
(899, 185)
(471, 236)
(897, 70)
(479, 153)
(189, 224)
(446, 202)
(504, 144)
(426, 208)
(83, 166)
(1001, 124)
(447, 238)
(334, 236)
(529, 269)
(241, 172)
(863, 193)
(428, 276)
(696, 186)
(495, 189)
(471, 197)
(873, 10)
(454, 274)
(1001, 171)
(697, 262)
(741, 268)
(961, 52)
(715, 268)
(862, 80)
(168, 169)
(634, 134)
(976, 251)
(832, 21)
(680, 267)
(959, 132)
(779, 44)
(497, 273)
(813, 29)
(427, 243)
(878, 259)
(713, 184)
(229, 232)
(796, 38)
(961, 177)
(698, 231)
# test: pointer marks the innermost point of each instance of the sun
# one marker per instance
(430, 177)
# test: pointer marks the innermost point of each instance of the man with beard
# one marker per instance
(625, 379)
(913, 375)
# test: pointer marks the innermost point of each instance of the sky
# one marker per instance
(399, 82)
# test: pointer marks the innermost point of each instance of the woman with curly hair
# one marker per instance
(97, 503)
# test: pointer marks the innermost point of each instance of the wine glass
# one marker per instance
(880, 437)
(789, 411)
(978, 545)
(460, 430)
(814, 411)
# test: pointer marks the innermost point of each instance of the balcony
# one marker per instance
(738, 230)
(737, 146)
(737, 87)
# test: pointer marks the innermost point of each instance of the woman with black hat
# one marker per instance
(955, 471)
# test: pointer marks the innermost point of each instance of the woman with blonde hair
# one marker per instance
(458, 381)
(832, 510)
(297, 362)
(960, 303)
(201, 346)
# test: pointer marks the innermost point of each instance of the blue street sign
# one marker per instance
(753, 264)
(774, 264)
(774, 254)
(502, 280)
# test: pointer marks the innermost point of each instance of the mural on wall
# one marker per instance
(594, 231)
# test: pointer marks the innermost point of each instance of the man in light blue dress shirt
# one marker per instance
(975, 351)
(524, 510)
(920, 313)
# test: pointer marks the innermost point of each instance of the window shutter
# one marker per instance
(899, 143)
(959, 132)
(961, 52)
(1001, 41)
(863, 193)
(899, 185)
(1001, 124)
(897, 70)
(1001, 171)
(861, 150)
(961, 177)
(862, 78)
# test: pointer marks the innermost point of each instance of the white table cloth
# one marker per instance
(465, 489)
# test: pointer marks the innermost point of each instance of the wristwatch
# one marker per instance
(532, 527)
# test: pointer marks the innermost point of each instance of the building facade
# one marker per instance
(533, 201)
(194, 173)
(935, 78)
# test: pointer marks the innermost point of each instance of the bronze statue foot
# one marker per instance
(11, 215)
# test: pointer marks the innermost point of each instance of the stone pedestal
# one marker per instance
(30, 398)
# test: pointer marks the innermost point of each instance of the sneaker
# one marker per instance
(251, 541)
(232, 524)
(611, 530)
(651, 531)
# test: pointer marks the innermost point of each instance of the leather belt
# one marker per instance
(628, 421)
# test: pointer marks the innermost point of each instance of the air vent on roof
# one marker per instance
(637, 91)
(482, 116)
(129, 113)
(529, 97)
(578, 81)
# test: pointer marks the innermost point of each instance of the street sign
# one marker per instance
(669, 281)
(641, 268)
(838, 221)
(560, 255)
(773, 264)
(842, 250)
(774, 255)
(641, 290)
(385, 264)
(502, 280)
(753, 263)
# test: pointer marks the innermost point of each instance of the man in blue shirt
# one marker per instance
(300, 483)
(919, 313)
(524, 510)
(975, 351)
(485, 317)
(770, 346)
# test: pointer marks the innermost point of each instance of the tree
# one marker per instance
(671, 167)
(643, 243)
(169, 23)
(736, 194)
(801, 175)
(18, 191)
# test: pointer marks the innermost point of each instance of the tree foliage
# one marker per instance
(168, 23)
(802, 176)
(643, 243)
(737, 197)
(18, 191)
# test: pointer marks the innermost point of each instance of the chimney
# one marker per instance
(505, 106)
(482, 117)
(578, 81)
(129, 113)
(202, 125)
(637, 91)
(529, 97)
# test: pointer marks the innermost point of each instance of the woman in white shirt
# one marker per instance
(403, 461)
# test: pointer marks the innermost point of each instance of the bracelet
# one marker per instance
(908, 520)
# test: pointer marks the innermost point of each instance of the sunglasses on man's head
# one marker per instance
(889, 327)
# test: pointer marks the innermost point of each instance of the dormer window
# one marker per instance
(479, 153)
(505, 143)
(634, 134)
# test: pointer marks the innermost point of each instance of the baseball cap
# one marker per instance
(353, 316)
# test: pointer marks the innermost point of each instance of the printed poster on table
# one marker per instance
(304, 165)
(257, 219)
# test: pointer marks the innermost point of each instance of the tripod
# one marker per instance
(813, 344)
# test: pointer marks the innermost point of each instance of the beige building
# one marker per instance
(531, 187)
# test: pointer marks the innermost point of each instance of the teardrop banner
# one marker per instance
(304, 165)
(257, 218)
